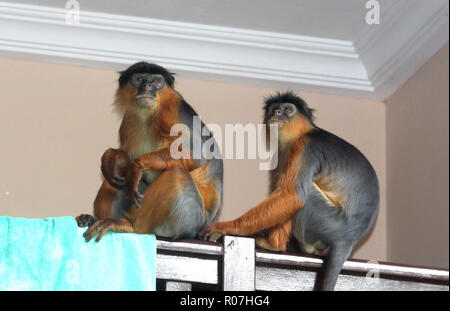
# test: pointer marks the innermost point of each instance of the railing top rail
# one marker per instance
(191, 246)
(355, 266)
(294, 260)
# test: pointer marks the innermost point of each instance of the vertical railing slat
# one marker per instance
(238, 264)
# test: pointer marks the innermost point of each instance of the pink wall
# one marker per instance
(56, 121)
(418, 165)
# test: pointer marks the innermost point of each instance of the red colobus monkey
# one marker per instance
(324, 192)
(145, 189)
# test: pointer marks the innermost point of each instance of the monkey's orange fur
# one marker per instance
(206, 188)
(294, 129)
(326, 187)
(104, 199)
(157, 200)
(277, 237)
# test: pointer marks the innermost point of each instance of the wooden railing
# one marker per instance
(236, 265)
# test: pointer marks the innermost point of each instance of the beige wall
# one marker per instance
(418, 166)
(56, 121)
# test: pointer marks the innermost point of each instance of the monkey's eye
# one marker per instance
(158, 83)
(139, 79)
(277, 112)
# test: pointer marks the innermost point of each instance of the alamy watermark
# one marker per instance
(373, 13)
(250, 141)
(373, 275)
(72, 12)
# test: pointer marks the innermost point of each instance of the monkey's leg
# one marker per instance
(113, 166)
(278, 208)
(114, 163)
(102, 205)
(171, 207)
(104, 200)
(277, 238)
(108, 200)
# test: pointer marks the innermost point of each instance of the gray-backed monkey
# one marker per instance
(324, 191)
(180, 196)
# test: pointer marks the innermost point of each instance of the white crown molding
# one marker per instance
(410, 32)
(113, 41)
(220, 53)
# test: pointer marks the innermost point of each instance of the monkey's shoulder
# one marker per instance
(189, 116)
(333, 152)
(322, 139)
(186, 109)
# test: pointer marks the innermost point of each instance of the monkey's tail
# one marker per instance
(333, 262)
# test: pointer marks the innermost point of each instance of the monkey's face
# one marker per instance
(280, 113)
(142, 88)
(146, 86)
(292, 115)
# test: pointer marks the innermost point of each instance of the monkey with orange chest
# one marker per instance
(146, 189)
(324, 192)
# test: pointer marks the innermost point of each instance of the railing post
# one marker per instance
(238, 264)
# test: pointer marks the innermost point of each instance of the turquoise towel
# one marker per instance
(51, 254)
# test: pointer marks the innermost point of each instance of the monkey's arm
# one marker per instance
(162, 160)
(158, 160)
(281, 205)
(278, 208)
(114, 163)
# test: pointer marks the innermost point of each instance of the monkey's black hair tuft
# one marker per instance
(289, 97)
(144, 67)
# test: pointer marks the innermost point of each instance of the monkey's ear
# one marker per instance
(311, 112)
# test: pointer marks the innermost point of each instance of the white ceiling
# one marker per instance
(317, 45)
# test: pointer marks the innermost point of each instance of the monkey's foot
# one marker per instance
(217, 230)
(322, 252)
(265, 244)
(317, 248)
(85, 220)
(213, 236)
(134, 175)
(101, 226)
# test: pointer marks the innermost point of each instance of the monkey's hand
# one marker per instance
(113, 164)
(85, 220)
(215, 231)
(134, 175)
